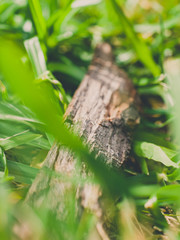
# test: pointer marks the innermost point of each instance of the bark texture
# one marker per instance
(104, 109)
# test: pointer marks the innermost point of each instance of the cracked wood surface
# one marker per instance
(104, 109)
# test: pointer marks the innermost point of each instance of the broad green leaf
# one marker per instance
(169, 152)
(154, 152)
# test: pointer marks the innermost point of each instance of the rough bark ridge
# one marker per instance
(104, 109)
(104, 105)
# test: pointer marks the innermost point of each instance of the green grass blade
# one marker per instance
(40, 142)
(58, 17)
(18, 139)
(3, 162)
(36, 56)
(43, 76)
(22, 173)
(169, 194)
(17, 114)
(82, 3)
(7, 12)
(38, 18)
(38, 99)
(75, 72)
(140, 47)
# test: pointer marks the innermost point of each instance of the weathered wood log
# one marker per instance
(104, 109)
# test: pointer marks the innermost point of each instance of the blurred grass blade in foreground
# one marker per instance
(40, 99)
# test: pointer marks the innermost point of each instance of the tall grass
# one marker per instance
(33, 102)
